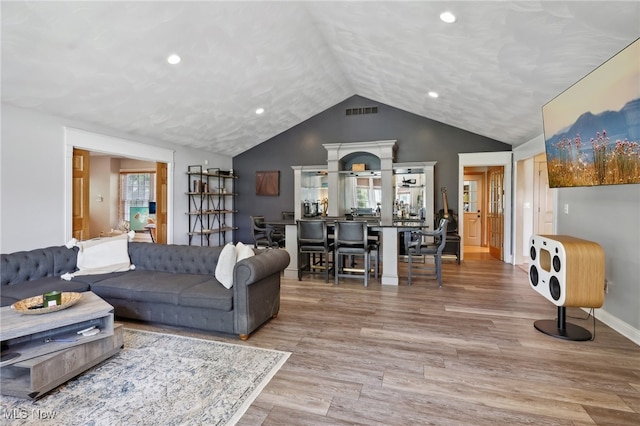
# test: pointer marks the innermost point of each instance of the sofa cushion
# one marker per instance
(14, 293)
(103, 255)
(226, 263)
(174, 258)
(208, 294)
(148, 286)
(243, 251)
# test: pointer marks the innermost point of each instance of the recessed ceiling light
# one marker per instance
(259, 111)
(433, 94)
(448, 17)
(173, 59)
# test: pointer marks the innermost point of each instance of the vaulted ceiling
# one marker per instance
(494, 68)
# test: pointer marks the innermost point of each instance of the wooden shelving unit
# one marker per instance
(211, 196)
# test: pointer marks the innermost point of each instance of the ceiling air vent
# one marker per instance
(360, 111)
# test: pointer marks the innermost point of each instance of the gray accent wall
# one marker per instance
(419, 139)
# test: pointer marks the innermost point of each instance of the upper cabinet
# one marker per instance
(362, 178)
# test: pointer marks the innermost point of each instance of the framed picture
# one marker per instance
(592, 130)
(268, 182)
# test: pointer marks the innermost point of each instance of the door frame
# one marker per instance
(523, 159)
(76, 138)
(481, 159)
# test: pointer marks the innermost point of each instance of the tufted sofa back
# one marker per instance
(178, 259)
(35, 264)
(55, 261)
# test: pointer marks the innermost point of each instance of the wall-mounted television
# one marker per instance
(592, 129)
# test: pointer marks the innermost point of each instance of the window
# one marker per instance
(136, 190)
(368, 192)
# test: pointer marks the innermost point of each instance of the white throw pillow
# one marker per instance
(226, 262)
(243, 251)
(103, 255)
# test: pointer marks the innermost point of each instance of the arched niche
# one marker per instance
(370, 161)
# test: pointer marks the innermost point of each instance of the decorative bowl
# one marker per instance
(28, 306)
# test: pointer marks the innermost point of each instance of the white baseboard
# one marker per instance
(618, 325)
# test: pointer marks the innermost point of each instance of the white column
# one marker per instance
(389, 256)
(291, 245)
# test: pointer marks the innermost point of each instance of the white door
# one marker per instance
(472, 203)
(543, 201)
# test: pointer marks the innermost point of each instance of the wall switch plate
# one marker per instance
(566, 208)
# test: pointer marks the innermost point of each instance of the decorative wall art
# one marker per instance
(268, 182)
(592, 130)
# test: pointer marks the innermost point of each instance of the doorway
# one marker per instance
(94, 142)
(107, 188)
(497, 227)
(536, 205)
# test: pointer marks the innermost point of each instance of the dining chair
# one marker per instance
(417, 246)
(314, 248)
(351, 239)
(262, 233)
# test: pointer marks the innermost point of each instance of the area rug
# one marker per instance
(157, 379)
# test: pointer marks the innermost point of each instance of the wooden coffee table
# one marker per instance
(40, 352)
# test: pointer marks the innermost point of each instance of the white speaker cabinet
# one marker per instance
(568, 271)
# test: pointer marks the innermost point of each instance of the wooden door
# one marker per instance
(472, 203)
(496, 211)
(543, 201)
(80, 194)
(161, 203)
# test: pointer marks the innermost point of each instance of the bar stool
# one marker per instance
(313, 248)
(351, 239)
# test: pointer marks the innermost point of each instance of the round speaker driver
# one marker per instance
(554, 288)
(533, 275)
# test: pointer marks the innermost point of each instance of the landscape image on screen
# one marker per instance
(592, 129)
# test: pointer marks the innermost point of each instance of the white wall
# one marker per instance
(32, 177)
(609, 216)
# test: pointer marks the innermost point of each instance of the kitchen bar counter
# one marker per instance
(390, 247)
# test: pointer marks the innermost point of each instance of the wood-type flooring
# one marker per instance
(464, 354)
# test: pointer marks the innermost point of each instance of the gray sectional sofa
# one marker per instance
(171, 284)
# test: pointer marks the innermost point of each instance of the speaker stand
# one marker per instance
(561, 329)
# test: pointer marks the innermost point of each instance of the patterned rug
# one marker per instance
(157, 379)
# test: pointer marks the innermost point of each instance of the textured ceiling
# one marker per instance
(105, 62)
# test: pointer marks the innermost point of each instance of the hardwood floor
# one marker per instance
(464, 354)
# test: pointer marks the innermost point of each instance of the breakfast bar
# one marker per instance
(390, 236)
